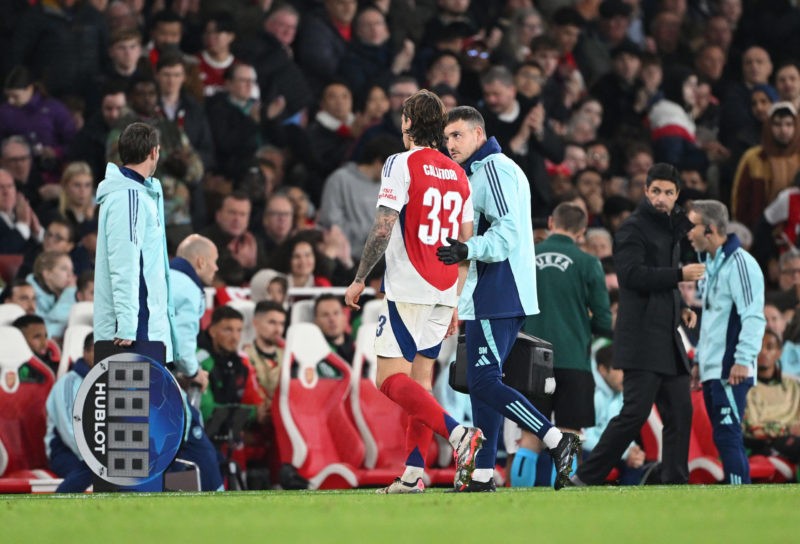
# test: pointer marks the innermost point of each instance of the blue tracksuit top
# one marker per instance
(502, 273)
(132, 298)
(732, 325)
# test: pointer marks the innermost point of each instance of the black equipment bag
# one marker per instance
(528, 368)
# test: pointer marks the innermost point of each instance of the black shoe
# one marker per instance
(478, 487)
(562, 457)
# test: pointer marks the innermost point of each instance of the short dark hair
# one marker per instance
(427, 113)
(230, 71)
(605, 357)
(579, 174)
(136, 142)
(665, 172)
(124, 35)
(543, 43)
(224, 21)
(59, 220)
(323, 298)
(25, 321)
(617, 204)
(223, 312)
(84, 278)
(18, 78)
(169, 59)
(569, 217)
(468, 114)
(165, 16)
(236, 195)
(9, 289)
(381, 147)
(266, 306)
(88, 342)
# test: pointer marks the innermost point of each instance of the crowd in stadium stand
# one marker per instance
(275, 119)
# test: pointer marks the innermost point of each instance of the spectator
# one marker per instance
(21, 293)
(323, 39)
(370, 57)
(77, 199)
(350, 193)
(665, 30)
(176, 151)
(599, 242)
(589, 184)
(65, 459)
(375, 104)
(616, 91)
(281, 82)
(63, 44)
(45, 122)
(787, 82)
(529, 79)
(593, 53)
(598, 155)
(54, 283)
(19, 226)
(58, 236)
(526, 25)
(216, 57)
(523, 131)
(35, 333)
(266, 351)
(179, 108)
(709, 61)
(767, 169)
(231, 377)
(772, 416)
(672, 129)
(85, 287)
(89, 144)
(401, 88)
(17, 159)
(444, 69)
(330, 133)
(234, 116)
(616, 209)
(298, 259)
(125, 56)
(277, 222)
(607, 405)
(240, 254)
(330, 317)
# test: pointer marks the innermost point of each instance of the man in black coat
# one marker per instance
(647, 346)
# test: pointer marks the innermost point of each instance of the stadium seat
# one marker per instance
(259, 282)
(247, 309)
(82, 313)
(22, 405)
(10, 312)
(74, 337)
(313, 429)
(302, 311)
(704, 464)
(9, 265)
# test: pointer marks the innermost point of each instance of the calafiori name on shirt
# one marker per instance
(441, 173)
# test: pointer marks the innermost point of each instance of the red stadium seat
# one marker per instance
(704, 464)
(22, 405)
(313, 430)
(9, 265)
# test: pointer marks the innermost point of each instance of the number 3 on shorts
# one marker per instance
(381, 323)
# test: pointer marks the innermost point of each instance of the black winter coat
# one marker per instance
(646, 256)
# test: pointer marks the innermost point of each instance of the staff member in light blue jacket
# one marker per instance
(500, 290)
(132, 299)
(731, 330)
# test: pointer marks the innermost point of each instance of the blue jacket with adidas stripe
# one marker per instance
(732, 324)
(132, 298)
(502, 273)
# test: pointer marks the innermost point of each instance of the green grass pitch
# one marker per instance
(647, 515)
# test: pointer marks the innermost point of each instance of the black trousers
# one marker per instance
(642, 388)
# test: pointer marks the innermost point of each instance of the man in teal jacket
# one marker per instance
(500, 290)
(731, 330)
(574, 301)
(132, 299)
